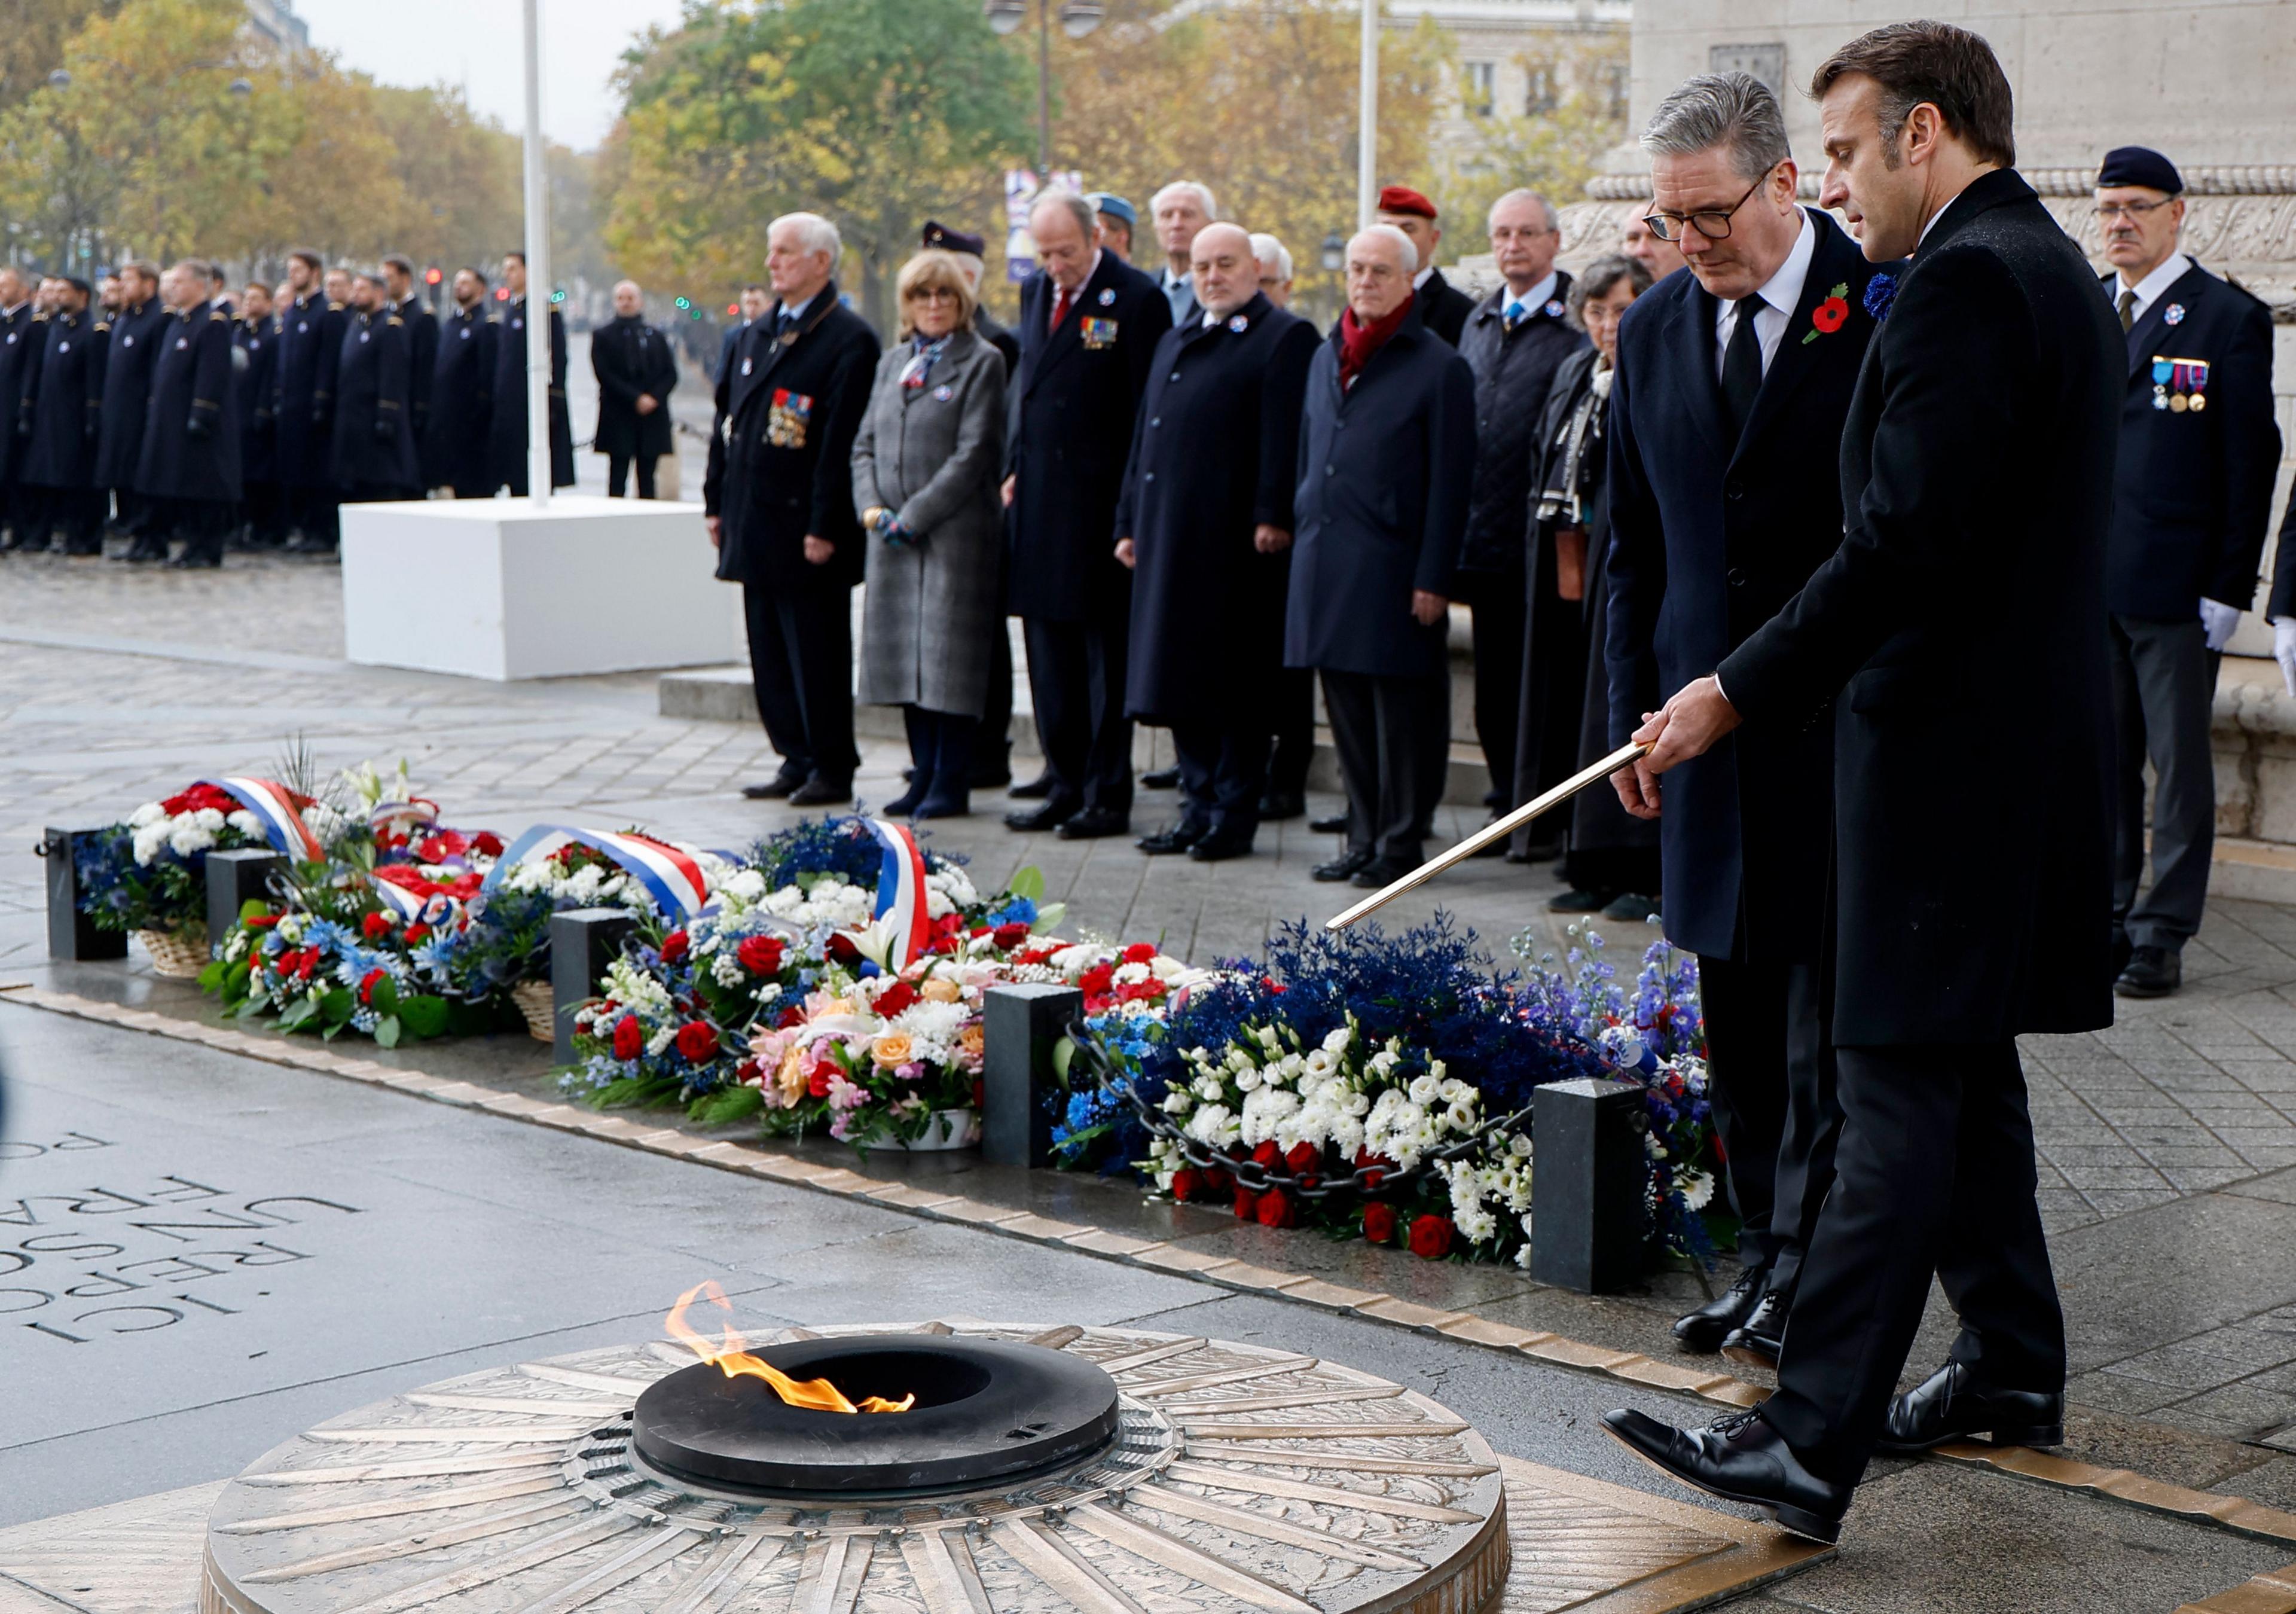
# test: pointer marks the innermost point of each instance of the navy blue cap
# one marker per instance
(938, 235)
(2136, 165)
(1113, 205)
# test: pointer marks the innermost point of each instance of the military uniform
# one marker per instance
(135, 334)
(310, 346)
(255, 387)
(506, 442)
(189, 467)
(422, 359)
(374, 452)
(63, 413)
(461, 405)
(22, 336)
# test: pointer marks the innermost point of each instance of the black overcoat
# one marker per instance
(1072, 404)
(135, 335)
(506, 422)
(65, 398)
(1709, 539)
(374, 409)
(191, 435)
(23, 337)
(725, 351)
(999, 336)
(1513, 371)
(2192, 496)
(1384, 472)
(1215, 452)
(423, 361)
(255, 386)
(781, 448)
(630, 357)
(310, 347)
(1443, 308)
(1972, 782)
(461, 403)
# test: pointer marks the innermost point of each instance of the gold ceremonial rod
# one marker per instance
(1594, 773)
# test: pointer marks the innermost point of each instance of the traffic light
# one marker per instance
(733, 310)
(431, 276)
(685, 302)
(558, 296)
(501, 294)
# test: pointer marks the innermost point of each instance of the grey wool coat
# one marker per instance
(931, 455)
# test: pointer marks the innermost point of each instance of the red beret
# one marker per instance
(1403, 199)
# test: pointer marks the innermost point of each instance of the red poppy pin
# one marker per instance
(1826, 318)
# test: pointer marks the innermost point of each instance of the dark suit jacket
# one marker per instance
(254, 388)
(1709, 537)
(64, 398)
(1443, 308)
(1215, 454)
(191, 436)
(135, 334)
(1000, 337)
(1381, 503)
(629, 358)
(1070, 433)
(462, 403)
(726, 351)
(781, 449)
(2192, 494)
(374, 410)
(1962, 622)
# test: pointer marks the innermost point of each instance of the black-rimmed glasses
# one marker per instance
(1711, 224)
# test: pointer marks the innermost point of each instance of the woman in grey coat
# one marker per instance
(924, 479)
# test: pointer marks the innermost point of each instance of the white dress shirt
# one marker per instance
(2150, 289)
(1780, 294)
(1532, 300)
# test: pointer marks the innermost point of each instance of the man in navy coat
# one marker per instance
(126, 393)
(374, 452)
(255, 338)
(310, 346)
(508, 436)
(1386, 460)
(462, 394)
(1732, 380)
(421, 326)
(2192, 497)
(1205, 524)
(61, 419)
(188, 472)
(1089, 325)
(19, 334)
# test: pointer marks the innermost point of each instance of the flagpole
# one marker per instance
(537, 272)
(1367, 117)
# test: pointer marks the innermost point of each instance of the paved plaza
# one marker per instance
(318, 1243)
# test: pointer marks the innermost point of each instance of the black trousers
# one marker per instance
(1771, 1081)
(617, 475)
(1294, 698)
(267, 514)
(1499, 612)
(132, 512)
(801, 664)
(1075, 679)
(1393, 738)
(1223, 770)
(1934, 1174)
(314, 513)
(202, 525)
(75, 513)
(2164, 681)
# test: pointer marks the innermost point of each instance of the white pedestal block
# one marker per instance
(494, 588)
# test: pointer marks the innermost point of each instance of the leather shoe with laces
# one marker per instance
(1220, 845)
(1703, 1330)
(1036, 821)
(1757, 1342)
(817, 791)
(1739, 1459)
(2150, 972)
(774, 788)
(1161, 779)
(1334, 823)
(1383, 872)
(1343, 867)
(1095, 824)
(1277, 805)
(1953, 1403)
(1039, 788)
(1178, 838)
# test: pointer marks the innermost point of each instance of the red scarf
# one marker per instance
(1358, 342)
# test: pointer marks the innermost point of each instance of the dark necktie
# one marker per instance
(2128, 309)
(1741, 364)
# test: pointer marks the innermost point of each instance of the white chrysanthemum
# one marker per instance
(190, 835)
(150, 812)
(1214, 1124)
(1126, 974)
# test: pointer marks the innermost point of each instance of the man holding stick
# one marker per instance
(1980, 443)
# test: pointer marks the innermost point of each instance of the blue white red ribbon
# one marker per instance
(403, 817)
(901, 888)
(273, 806)
(669, 874)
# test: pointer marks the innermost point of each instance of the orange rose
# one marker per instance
(893, 1048)
(790, 1077)
(940, 989)
(971, 1041)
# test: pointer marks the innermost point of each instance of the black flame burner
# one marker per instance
(985, 1410)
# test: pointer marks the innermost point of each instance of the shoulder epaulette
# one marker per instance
(103, 324)
(394, 320)
(219, 314)
(333, 306)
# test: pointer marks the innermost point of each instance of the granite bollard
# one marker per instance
(1588, 1225)
(235, 879)
(582, 941)
(72, 935)
(1021, 1026)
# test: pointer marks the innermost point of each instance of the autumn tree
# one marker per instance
(32, 43)
(1553, 147)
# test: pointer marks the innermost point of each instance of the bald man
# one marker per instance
(636, 373)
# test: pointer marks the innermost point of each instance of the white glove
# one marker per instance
(2284, 651)
(2218, 621)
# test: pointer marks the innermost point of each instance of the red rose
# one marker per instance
(1247, 1204)
(1431, 1237)
(416, 934)
(630, 1037)
(1277, 1210)
(673, 946)
(1139, 991)
(895, 998)
(1302, 1156)
(1372, 1180)
(1006, 938)
(367, 985)
(790, 1016)
(488, 842)
(817, 1082)
(760, 955)
(375, 924)
(1140, 953)
(1187, 1183)
(1267, 1154)
(1097, 980)
(1034, 955)
(840, 949)
(697, 1039)
(1828, 315)
(1378, 1223)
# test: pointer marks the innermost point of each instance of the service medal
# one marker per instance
(2179, 402)
(1108, 297)
(2200, 402)
(1239, 324)
(2175, 313)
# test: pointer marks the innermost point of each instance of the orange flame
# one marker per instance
(732, 1357)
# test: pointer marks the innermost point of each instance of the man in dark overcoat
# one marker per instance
(779, 494)
(255, 339)
(404, 300)
(1386, 455)
(1967, 908)
(1729, 380)
(21, 336)
(462, 394)
(1205, 525)
(62, 418)
(2192, 500)
(310, 347)
(127, 396)
(373, 452)
(1512, 341)
(506, 445)
(189, 470)
(1089, 325)
(636, 373)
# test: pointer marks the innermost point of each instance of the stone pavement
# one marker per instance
(2168, 1142)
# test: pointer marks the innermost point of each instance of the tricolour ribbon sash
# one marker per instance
(405, 817)
(273, 806)
(901, 888)
(669, 874)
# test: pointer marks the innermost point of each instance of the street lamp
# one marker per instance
(1078, 18)
(1335, 252)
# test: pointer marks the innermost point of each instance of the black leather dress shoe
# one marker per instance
(1096, 824)
(1382, 871)
(1277, 805)
(1179, 837)
(1343, 867)
(1703, 1330)
(1335, 825)
(1221, 845)
(1162, 779)
(2150, 972)
(1036, 821)
(774, 788)
(817, 791)
(1741, 1459)
(1757, 1342)
(1039, 788)
(1953, 1403)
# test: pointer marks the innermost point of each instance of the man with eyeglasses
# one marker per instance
(1733, 382)
(2192, 496)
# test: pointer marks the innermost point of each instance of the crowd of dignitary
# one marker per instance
(160, 408)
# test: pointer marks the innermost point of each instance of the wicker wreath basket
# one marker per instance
(534, 1001)
(177, 955)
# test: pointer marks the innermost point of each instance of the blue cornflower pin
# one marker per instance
(1881, 291)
